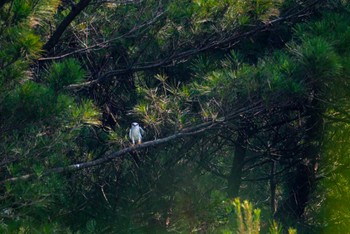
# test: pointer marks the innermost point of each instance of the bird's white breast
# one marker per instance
(135, 132)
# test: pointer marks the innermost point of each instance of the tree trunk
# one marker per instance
(304, 176)
(235, 177)
(273, 183)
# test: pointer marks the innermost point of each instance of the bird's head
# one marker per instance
(134, 124)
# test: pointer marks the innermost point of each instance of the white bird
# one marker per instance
(135, 133)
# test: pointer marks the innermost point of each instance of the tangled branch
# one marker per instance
(213, 43)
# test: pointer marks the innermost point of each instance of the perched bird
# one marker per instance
(136, 133)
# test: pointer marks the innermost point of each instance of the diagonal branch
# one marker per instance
(200, 128)
(76, 10)
(114, 155)
(106, 43)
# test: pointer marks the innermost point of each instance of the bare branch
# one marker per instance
(200, 128)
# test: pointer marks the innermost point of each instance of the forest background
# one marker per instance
(245, 99)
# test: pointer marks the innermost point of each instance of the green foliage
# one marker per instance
(39, 127)
(338, 24)
(324, 55)
(21, 9)
(248, 220)
(64, 73)
(165, 105)
(29, 102)
(179, 186)
(309, 64)
(275, 228)
(319, 58)
(43, 11)
(87, 113)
